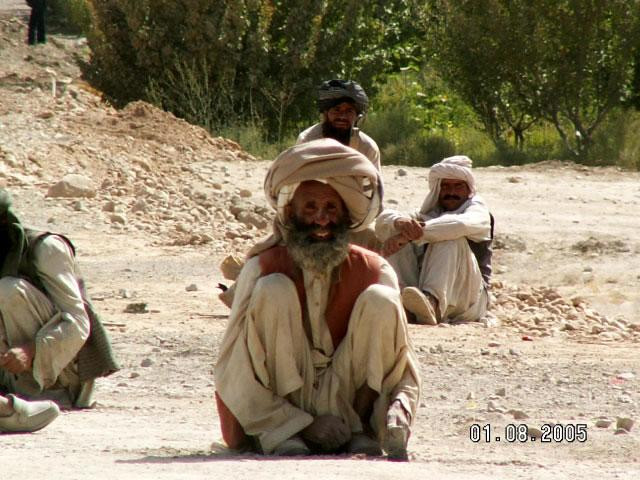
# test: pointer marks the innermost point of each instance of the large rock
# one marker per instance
(73, 185)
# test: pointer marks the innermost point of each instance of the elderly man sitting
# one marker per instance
(316, 356)
(442, 253)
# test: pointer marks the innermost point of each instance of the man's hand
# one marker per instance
(409, 227)
(18, 359)
(393, 244)
(328, 432)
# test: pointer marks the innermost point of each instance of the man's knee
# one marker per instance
(379, 304)
(9, 290)
(272, 300)
(449, 246)
(274, 286)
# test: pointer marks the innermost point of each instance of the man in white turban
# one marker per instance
(316, 356)
(442, 252)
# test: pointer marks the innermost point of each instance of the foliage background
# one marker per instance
(503, 81)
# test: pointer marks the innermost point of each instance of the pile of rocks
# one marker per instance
(542, 311)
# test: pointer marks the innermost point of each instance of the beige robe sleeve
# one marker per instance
(473, 223)
(60, 339)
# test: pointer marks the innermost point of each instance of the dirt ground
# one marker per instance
(171, 202)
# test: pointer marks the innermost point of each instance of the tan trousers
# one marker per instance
(375, 352)
(24, 311)
(449, 271)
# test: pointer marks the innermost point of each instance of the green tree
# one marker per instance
(246, 60)
(516, 61)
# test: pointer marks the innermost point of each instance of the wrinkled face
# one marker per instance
(453, 193)
(318, 208)
(342, 116)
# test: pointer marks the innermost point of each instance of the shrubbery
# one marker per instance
(73, 16)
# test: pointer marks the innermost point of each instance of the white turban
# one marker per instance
(349, 172)
(457, 167)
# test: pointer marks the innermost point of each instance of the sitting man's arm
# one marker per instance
(396, 229)
(474, 223)
(59, 341)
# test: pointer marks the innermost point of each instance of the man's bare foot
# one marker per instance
(328, 432)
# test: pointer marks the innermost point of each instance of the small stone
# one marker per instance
(621, 431)
(134, 375)
(514, 352)
(401, 172)
(147, 362)
(603, 423)
(139, 206)
(138, 307)
(471, 396)
(73, 185)
(109, 206)
(116, 218)
(625, 423)
(518, 414)
(244, 193)
(534, 432)
(625, 376)
(191, 288)
(501, 392)
(493, 344)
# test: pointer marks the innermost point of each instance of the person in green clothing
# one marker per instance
(52, 343)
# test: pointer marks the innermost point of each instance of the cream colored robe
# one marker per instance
(58, 324)
(275, 379)
(447, 269)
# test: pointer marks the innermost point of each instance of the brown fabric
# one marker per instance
(360, 270)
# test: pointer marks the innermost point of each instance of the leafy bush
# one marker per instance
(629, 153)
(252, 138)
(73, 16)
(263, 59)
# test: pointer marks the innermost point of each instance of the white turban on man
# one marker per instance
(457, 167)
(349, 172)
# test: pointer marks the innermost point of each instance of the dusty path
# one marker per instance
(568, 228)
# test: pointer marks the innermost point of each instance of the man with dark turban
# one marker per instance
(442, 252)
(343, 103)
(316, 356)
(52, 344)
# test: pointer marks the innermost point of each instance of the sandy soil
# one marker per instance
(171, 202)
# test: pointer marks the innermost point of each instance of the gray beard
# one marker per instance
(317, 256)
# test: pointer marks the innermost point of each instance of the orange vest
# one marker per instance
(359, 270)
